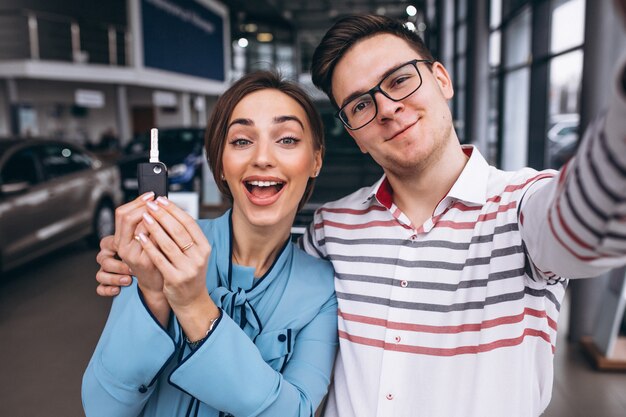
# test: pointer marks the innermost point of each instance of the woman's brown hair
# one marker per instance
(217, 128)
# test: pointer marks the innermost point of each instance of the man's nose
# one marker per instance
(387, 107)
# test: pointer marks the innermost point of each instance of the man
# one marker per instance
(450, 273)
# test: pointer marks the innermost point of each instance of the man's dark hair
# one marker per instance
(347, 32)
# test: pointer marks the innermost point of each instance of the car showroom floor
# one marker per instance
(50, 320)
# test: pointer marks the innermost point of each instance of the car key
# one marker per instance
(152, 175)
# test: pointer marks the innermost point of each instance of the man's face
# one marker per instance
(406, 135)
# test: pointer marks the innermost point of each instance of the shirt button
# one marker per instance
(282, 337)
(397, 339)
(404, 283)
(390, 396)
(143, 389)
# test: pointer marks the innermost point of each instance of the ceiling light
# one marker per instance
(411, 10)
(410, 26)
(242, 42)
(264, 37)
(250, 27)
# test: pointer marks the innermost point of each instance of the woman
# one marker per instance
(225, 316)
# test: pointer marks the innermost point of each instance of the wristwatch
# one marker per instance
(194, 345)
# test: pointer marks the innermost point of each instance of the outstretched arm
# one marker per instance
(575, 225)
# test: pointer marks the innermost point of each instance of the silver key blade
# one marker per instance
(154, 145)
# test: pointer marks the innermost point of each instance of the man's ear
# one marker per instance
(443, 80)
(351, 133)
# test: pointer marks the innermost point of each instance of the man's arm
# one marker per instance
(575, 226)
(312, 241)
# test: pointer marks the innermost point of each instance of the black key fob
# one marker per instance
(152, 176)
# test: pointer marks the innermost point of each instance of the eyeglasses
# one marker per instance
(397, 85)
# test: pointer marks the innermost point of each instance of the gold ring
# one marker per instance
(187, 246)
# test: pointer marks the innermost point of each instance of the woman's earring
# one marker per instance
(223, 177)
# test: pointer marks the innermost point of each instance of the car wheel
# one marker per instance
(103, 223)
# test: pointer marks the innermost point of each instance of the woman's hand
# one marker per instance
(128, 227)
(180, 251)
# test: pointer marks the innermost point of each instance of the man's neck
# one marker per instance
(417, 194)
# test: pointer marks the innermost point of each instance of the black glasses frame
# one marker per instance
(377, 89)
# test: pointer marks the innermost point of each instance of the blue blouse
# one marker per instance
(270, 354)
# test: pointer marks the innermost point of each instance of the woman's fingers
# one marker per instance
(157, 257)
(170, 224)
(184, 219)
(180, 227)
(128, 214)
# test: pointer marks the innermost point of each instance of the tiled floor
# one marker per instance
(50, 320)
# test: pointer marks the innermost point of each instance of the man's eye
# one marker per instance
(360, 106)
(398, 82)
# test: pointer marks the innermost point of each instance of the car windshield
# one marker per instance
(179, 141)
(5, 145)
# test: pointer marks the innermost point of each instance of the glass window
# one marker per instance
(568, 24)
(495, 13)
(462, 9)
(461, 38)
(459, 113)
(515, 133)
(285, 60)
(563, 107)
(461, 75)
(517, 40)
(21, 167)
(58, 160)
(492, 123)
(494, 49)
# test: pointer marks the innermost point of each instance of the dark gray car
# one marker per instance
(52, 193)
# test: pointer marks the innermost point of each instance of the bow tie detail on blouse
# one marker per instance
(237, 306)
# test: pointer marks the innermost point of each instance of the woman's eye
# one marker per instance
(240, 142)
(289, 141)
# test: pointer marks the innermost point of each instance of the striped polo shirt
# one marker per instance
(458, 316)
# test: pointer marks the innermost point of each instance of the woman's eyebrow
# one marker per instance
(241, 121)
(287, 118)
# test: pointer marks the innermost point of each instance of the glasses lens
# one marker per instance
(402, 82)
(358, 112)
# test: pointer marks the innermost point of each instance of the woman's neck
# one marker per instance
(258, 246)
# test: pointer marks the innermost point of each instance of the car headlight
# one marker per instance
(177, 170)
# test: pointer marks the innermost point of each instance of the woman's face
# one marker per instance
(268, 157)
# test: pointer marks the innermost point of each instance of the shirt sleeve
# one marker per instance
(228, 372)
(574, 226)
(312, 242)
(132, 352)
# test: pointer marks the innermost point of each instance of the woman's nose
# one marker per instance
(263, 155)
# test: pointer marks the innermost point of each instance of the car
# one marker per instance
(562, 139)
(52, 193)
(180, 149)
